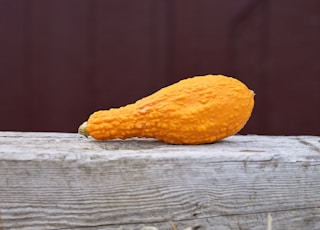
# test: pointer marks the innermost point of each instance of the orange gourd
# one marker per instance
(197, 110)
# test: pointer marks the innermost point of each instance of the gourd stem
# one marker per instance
(83, 129)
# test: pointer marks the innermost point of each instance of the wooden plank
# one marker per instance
(56, 180)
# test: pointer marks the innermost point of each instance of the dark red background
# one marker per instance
(60, 60)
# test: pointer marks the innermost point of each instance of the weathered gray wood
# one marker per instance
(63, 181)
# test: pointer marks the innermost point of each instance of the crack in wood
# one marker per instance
(310, 145)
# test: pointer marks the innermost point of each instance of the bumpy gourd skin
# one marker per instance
(197, 110)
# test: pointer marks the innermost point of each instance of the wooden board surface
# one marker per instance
(64, 181)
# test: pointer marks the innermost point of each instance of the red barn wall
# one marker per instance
(61, 60)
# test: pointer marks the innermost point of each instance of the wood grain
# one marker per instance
(63, 181)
